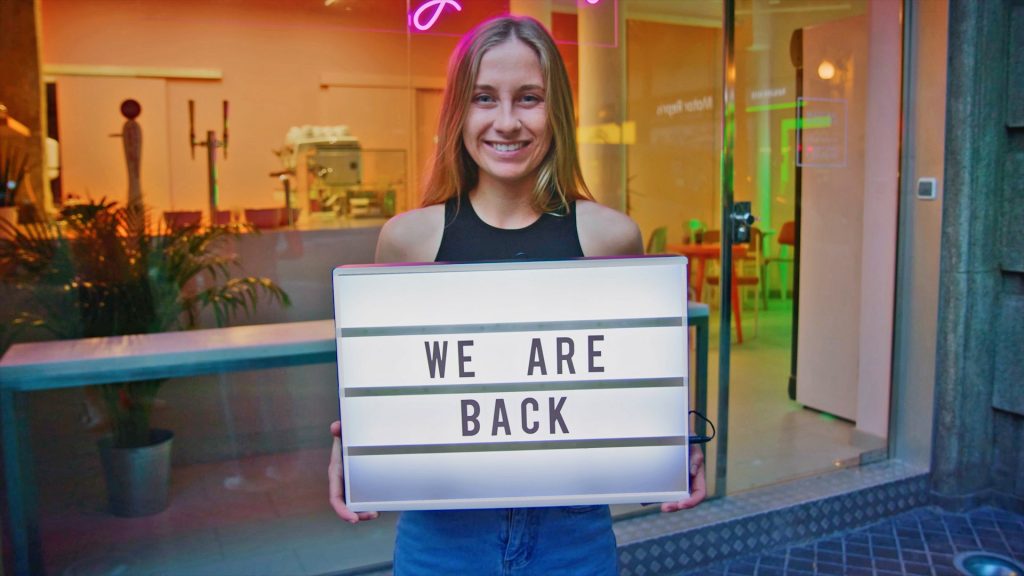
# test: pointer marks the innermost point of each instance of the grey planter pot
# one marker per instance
(138, 479)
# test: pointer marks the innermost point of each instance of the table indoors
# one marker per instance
(698, 256)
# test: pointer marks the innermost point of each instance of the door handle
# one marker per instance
(742, 220)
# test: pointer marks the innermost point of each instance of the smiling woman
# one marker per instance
(506, 184)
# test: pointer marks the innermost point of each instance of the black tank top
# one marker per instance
(467, 238)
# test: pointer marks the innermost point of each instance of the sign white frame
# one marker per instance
(509, 384)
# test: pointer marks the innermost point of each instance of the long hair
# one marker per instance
(453, 171)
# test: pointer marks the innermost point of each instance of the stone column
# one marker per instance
(970, 278)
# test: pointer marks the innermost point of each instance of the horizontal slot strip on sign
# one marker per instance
(514, 387)
(669, 321)
(516, 446)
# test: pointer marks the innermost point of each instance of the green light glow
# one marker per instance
(779, 106)
(788, 125)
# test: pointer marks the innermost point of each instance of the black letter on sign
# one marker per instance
(594, 353)
(566, 356)
(436, 360)
(500, 418)
(555, 414)
(536, 358)
(470, 424)
(535, 424)
(463, 358)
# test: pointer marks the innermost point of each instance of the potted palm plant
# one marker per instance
(104, 270)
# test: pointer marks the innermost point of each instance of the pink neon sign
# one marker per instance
(416, 19)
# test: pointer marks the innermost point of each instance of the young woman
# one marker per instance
(506, 184)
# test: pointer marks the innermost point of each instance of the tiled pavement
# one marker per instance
(921, 541)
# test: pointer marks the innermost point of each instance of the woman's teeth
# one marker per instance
(507, 147)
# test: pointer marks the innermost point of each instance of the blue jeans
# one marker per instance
(506, 542)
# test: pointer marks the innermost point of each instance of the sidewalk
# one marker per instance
(922, 541)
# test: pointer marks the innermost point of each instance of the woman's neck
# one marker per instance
(504, 206)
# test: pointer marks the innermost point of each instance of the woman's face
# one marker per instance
(506, 130)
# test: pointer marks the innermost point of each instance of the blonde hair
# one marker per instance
(453, 171)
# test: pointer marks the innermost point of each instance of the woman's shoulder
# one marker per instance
(606, 232)
(412, 236)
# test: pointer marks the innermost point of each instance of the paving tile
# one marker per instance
(941, 548)
(831, 557)
(858, 550)
(915, 568)
(829, 568)
(941, 560)
(800, 564)
(911, 540)
(885, 552)
(914, 556)
(887, 564)
(883, 542)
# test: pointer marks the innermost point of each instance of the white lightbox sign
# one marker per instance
(512, 384)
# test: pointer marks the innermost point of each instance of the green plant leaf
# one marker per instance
(107, 270)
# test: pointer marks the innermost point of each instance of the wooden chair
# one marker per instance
(659, 238)
(749, 269)
(787, 237)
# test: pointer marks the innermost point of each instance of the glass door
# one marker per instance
(817, 115)
(766, 106)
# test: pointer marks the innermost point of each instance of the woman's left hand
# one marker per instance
(698, 489)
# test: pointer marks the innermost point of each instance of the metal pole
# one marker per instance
(728, 126)
(211, 164)
(796, 54)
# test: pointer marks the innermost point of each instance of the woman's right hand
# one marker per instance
(336, 480)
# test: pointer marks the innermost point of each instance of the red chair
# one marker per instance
(749, 269)
(787, 237)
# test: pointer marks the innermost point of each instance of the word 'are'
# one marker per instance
(564, 354)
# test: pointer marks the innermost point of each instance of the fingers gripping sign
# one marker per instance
(336, 481)
(698, 488)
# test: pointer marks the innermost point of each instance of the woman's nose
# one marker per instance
(507, 121)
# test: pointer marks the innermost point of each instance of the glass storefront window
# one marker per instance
(330, 107)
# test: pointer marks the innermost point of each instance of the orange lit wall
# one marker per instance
(673, 101)
(274, 59)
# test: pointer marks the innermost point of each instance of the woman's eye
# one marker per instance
(483, 99)
(531, 99)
